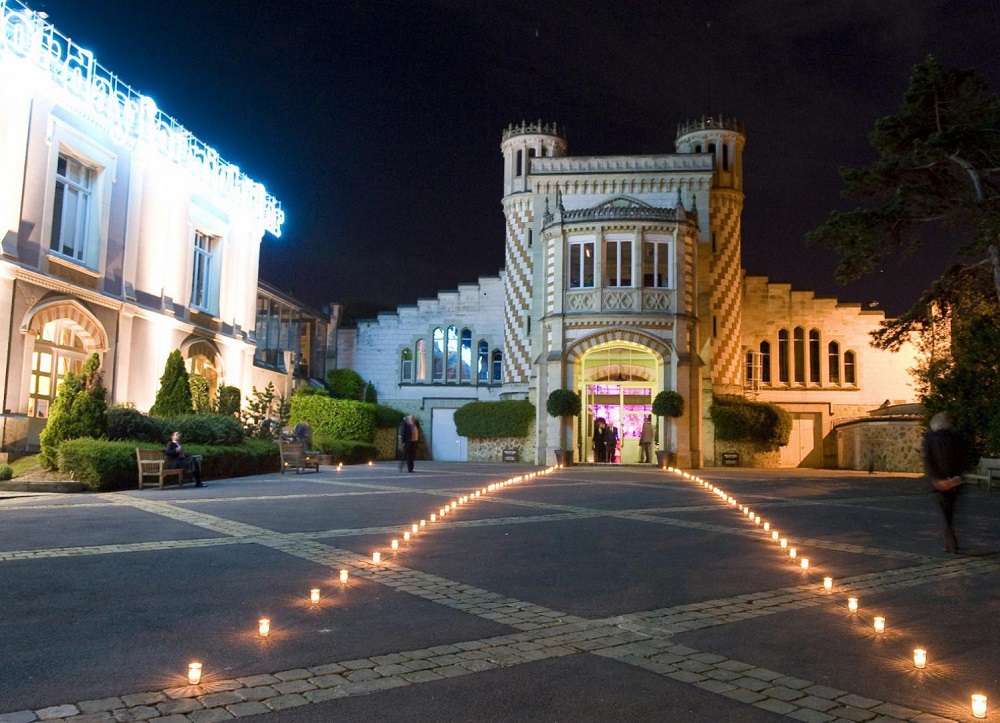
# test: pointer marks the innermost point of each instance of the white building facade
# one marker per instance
(623, 277)
(120, 233)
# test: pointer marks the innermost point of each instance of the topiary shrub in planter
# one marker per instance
(563, 403)
(668, 403)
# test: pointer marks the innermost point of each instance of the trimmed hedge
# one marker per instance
(737, 419)
(387, 417)
(213, 429)
(346, 451)
(563, 403)
(335, 418)
(131, 424)
(490, 420)
(105, 465)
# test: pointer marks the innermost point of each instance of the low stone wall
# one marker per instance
(491, 450)
(385, 443)
(885, 445)
(751, 455)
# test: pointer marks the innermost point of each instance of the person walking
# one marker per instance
(945, 457)
(177, 458)
(646, 438)
(408, 436)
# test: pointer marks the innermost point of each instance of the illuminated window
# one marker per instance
(452, 352)
(656, 262)
(850, 372)
(483, 367)
(420, 352)
(618, 261)
(765, 362)
(814, 357)
(799, 354)
(783, 356)
(58, 349)
(437, 355)
(581, 262)
(497, 365)
(204, 281)
(833, 352)
(406, 365)
(465, 363)
(72, 210)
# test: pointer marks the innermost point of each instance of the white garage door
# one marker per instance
(446, 445)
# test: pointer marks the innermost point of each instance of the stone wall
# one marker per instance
(886, 445)
(491, 450)
(751, 455)
(385, 443)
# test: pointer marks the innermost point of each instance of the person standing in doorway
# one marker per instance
(600, 451)
(646, 438)
(945, 457)
(610, 443)
(409, 434)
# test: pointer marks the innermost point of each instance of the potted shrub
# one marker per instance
(563, 403)
(668, 403)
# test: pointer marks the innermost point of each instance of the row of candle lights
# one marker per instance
(264, 624)
(979, 700)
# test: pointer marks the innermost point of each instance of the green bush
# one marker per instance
(215, 429)
(105, 466)
(174, 395)
(127, 422)
(489, 420)
(336, 418)
(387, 417)
(6, 472)
(371, 394)
(227, 401)
(345, 384)
(266, 413)
(668, 404)
(737, 419)
(563, 403)
(80, 409)
(344, 450)
(200, 395)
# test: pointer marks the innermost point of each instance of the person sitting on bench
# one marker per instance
(177, 458)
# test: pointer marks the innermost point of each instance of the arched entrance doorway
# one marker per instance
(202, 359)
(619, 380)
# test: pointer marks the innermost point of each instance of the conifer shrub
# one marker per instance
(227, 401)
(490, 420)
(174, 395)
(371, 394)
(6, 472)
(80, 409)
(200, 400)
(738, 419)
(266, 413)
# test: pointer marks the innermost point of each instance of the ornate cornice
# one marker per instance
(621, 164)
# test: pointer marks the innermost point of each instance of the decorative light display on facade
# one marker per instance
(129, 117)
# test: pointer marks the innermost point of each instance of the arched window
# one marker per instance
(452, 351)
(783, 356)
(833, 354)
(497, 365)
(465, 364)
(519, 170)
(59, 349)
(406, 365)
(814, 360)
(799, 353)
(483, 365)
(765, 362)
(437, 355)
(850, 371)
(420, 352)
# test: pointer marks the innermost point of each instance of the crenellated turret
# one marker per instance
(724, 138)
(521, 143)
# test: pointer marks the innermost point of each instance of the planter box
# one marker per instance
(564, 457)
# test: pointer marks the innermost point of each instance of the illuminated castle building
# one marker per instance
(623, 278)
(120, 232)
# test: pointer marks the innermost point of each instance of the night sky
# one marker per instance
(377, 123)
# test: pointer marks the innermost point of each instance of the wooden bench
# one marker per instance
(988, 472)
(153, 466)
(295, 456)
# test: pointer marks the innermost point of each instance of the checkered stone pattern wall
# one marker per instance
(726, 286)
(517, 290)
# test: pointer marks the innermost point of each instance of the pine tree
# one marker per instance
(80, 409)
(174, 396)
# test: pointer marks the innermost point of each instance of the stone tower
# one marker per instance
(519, 145)
(724, 139)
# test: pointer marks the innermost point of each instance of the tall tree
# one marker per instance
(173, 398)
(938, 165)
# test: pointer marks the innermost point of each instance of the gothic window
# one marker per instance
(850, 372)
(725, 157)
(799, 354)
(783, 377)
(452, 354)
(465, 363)
(618, 261)
(581, 262)
(519, 170)
(420, 352)
(406, 365)
(833, 353)
(437, 355)
(484, 361)
(814, 357)
(497, 365)
(765, 362)
(72, 234)
(656, 262)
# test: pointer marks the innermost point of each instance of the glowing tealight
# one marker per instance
(767, 526)
(414, 527)
(406, 536)
(978, 705)
(852, 604)
(756, 519)
(454, 505)
(263, 627)
(343, 576)
(828, 583)
(919, 658)
(376, 557)
(879, 625)
(774, 535)
(805, 563)
(370, 463)
(394, 544)
(433, 518)
(792, 552)
(194, 673)
(314, 595)
(783, 543)
(423, 523)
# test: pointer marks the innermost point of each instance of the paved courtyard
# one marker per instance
(587, 594)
